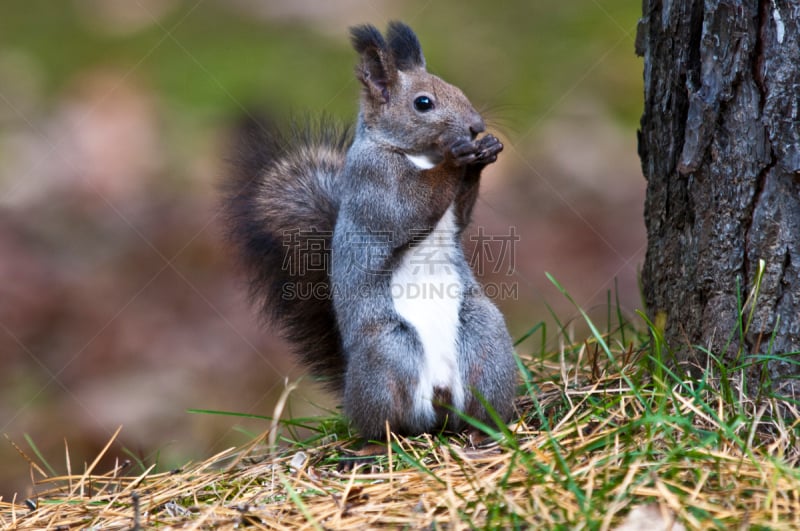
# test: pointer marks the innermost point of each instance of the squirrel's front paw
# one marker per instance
(488, 148)
(483, 151)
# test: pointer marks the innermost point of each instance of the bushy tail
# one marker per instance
(281, 208)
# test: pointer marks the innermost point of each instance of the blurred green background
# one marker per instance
(120, 303)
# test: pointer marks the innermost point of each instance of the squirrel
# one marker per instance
(370, 221)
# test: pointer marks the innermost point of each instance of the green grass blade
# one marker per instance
(228, 414)
(39, 455)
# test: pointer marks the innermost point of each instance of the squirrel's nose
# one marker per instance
(477, 126)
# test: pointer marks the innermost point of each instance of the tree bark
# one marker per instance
(720, 149)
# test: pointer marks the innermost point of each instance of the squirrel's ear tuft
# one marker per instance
(366, 37)
(404, 46)
(377, 70)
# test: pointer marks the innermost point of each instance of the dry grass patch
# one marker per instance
(583, 456)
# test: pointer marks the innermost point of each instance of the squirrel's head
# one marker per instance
(402, 104)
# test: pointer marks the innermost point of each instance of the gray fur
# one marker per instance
(385, 203)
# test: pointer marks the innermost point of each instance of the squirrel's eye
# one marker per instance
(423, 103)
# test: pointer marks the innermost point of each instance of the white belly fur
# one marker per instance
(427, 292)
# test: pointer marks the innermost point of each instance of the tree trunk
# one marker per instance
(720, 149)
